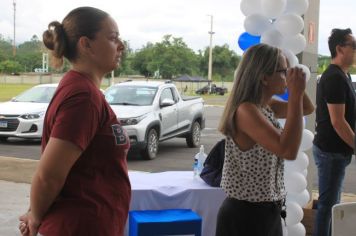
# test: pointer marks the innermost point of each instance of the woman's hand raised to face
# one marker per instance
(296, 81)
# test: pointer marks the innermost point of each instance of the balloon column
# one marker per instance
(295, 173)
(279, 23)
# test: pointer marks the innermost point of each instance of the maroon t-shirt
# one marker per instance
(95, 198)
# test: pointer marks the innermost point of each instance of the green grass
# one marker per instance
(8, 91)
(211, 99)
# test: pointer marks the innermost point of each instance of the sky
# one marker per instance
(142, 21)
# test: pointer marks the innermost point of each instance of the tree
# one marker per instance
(171, 57)
(224, 63)
(9, 66)
(5, 49)
(323, 62)
(29, 54)
(141, 59)
(126, 67)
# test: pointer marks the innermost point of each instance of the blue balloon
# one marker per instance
(247, 40)
(284, 96)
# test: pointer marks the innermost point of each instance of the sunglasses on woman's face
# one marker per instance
(282, 71)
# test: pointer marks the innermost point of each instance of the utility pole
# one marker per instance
(112, 79)
(14, 43)
(210, 68)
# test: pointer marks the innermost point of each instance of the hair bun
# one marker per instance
(53, 35)
(54, 39)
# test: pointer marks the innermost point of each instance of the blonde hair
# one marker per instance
(257, 61)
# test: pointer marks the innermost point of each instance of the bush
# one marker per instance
(10, 67)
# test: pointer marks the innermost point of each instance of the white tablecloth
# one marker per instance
(176, 189)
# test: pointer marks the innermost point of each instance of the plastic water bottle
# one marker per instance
(195, 166)
(199, 160)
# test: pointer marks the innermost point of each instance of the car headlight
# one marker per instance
(132, 121)
(32, 116)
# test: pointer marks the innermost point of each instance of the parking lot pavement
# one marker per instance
(15, 176)
(17, 169)
(14, 201)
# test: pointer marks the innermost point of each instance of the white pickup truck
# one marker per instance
(155, 111)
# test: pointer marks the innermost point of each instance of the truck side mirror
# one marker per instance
(166, 102)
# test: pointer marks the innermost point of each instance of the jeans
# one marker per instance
(331, 173)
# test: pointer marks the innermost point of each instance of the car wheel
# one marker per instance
(3, 139)
(193, 138)
(150, 152)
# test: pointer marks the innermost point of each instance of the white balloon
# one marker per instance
(249, 7)
(296, 230)
(273, 8)
(305, 173)
(292, 166)
(301, 198)
(302, 160)
(295, 43)
(289, 24)
(284, 228)
(272, 37)
(299, 164)
(294, 213)
(292, 59)
(294, 182)
(282, 122)
(305, 70)
(256, 24)
(297, 6)
(307, 140)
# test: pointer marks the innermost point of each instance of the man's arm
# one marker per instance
(338, 121)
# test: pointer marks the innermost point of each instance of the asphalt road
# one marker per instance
(173, 154)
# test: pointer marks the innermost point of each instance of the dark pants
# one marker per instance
(242, 218)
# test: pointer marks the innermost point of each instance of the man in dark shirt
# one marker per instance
(335, 125)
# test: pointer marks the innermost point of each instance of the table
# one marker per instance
(176, 189)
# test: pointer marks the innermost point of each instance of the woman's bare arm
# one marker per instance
(254, 124)
(56, 161)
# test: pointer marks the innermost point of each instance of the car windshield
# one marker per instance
(130, 95)
(36, 94)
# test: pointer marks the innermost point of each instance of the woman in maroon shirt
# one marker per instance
(81, 185)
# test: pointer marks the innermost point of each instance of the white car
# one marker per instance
(23, 116)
